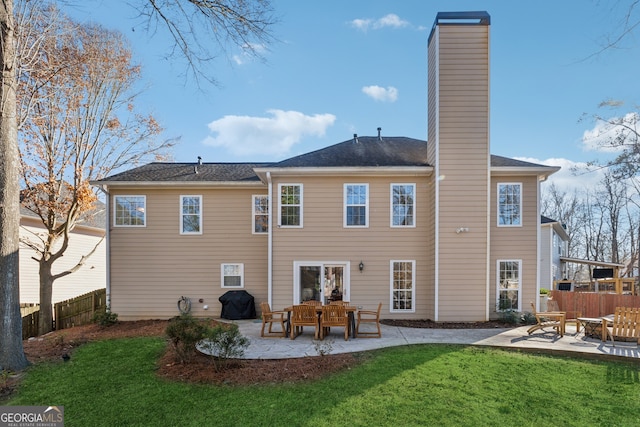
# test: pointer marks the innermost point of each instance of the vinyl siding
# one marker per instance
(153, 266)
(510, 243)
(459, 55)
(324, 239)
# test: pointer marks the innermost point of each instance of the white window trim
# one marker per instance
(519, 261)
(239, 264)
(115, 205)
(413, 288)
(391, 205)
(280, 205)
(344, 204)
(188, 233)
(254, 214)
(519, 184)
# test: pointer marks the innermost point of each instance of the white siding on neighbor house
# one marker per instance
(88, 278)
(546, 256)
(153, 266)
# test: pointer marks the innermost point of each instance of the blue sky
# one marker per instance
(344, 67)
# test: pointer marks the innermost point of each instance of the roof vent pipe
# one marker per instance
(379, 136)
(199, 160)
(355, 138)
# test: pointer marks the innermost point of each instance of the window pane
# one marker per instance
(508, 285)
(129, 210)
(509, 204)
(191, 218)
(290, 196)
(355, 205)
(402, 285)
(402, 205)
(260, 214)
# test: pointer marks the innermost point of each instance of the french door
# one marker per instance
(320, 281)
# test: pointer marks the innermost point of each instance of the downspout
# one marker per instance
(270, 241)
(489, 204)
(538, 227)
(107, 232)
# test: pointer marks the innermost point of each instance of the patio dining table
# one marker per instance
(351, 310)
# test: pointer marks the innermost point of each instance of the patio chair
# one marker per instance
(304, 315)
(548, 319)
(270, 317)
(334, 315)
(625, 325)
(570, 316)
(369, 316)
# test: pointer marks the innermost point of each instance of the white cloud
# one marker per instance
(391, 20)
(388, 94)
(605, 132)
(274, 135)
(572, 175)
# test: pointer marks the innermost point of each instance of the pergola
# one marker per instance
(617, 281)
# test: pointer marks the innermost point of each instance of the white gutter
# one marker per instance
(270, 241)
(538, 234)
(107, 233)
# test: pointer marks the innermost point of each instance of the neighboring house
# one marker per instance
(85, 236)
(441, 230)
(553, 245)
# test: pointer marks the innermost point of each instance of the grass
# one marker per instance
(113, 383)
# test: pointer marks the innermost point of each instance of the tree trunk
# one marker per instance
(45, 321)
(11, 351)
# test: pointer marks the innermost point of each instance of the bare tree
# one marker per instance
(81, 124)
(168, 16)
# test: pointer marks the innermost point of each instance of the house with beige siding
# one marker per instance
(438, 230)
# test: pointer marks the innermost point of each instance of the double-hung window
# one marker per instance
(129, 211)
(403, 286)
(509, 204)
(509, 285)
(356, 205)
(290, 214)
(232, 276)
(403, 199)
(260, 214)
(190, 214)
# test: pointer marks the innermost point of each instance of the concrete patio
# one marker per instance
(517, 338)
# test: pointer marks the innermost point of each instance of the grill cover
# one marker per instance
(237, 305)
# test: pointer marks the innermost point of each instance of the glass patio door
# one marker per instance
(320, 282)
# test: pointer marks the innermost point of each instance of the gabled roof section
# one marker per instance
(505, 165)
(158, 172)
(364, 151)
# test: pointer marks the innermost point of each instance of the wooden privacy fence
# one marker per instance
(79, 310)
(593, 304)
(30, 325)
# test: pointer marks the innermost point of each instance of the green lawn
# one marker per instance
(112, 383)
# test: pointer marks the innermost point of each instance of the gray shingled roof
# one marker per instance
(362, 151)
(186, 172)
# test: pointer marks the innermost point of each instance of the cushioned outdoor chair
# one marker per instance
(369, 316)
(303, 315)
(269, 318)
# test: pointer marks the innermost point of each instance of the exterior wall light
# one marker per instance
(361, 266)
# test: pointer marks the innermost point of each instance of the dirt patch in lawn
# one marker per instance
(58, 345)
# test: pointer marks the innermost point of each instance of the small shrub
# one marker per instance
(511, 317)
(528, 318)
(185, 332)
(544, 291)
(105, 318)
(324, 347)
(224, 342)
